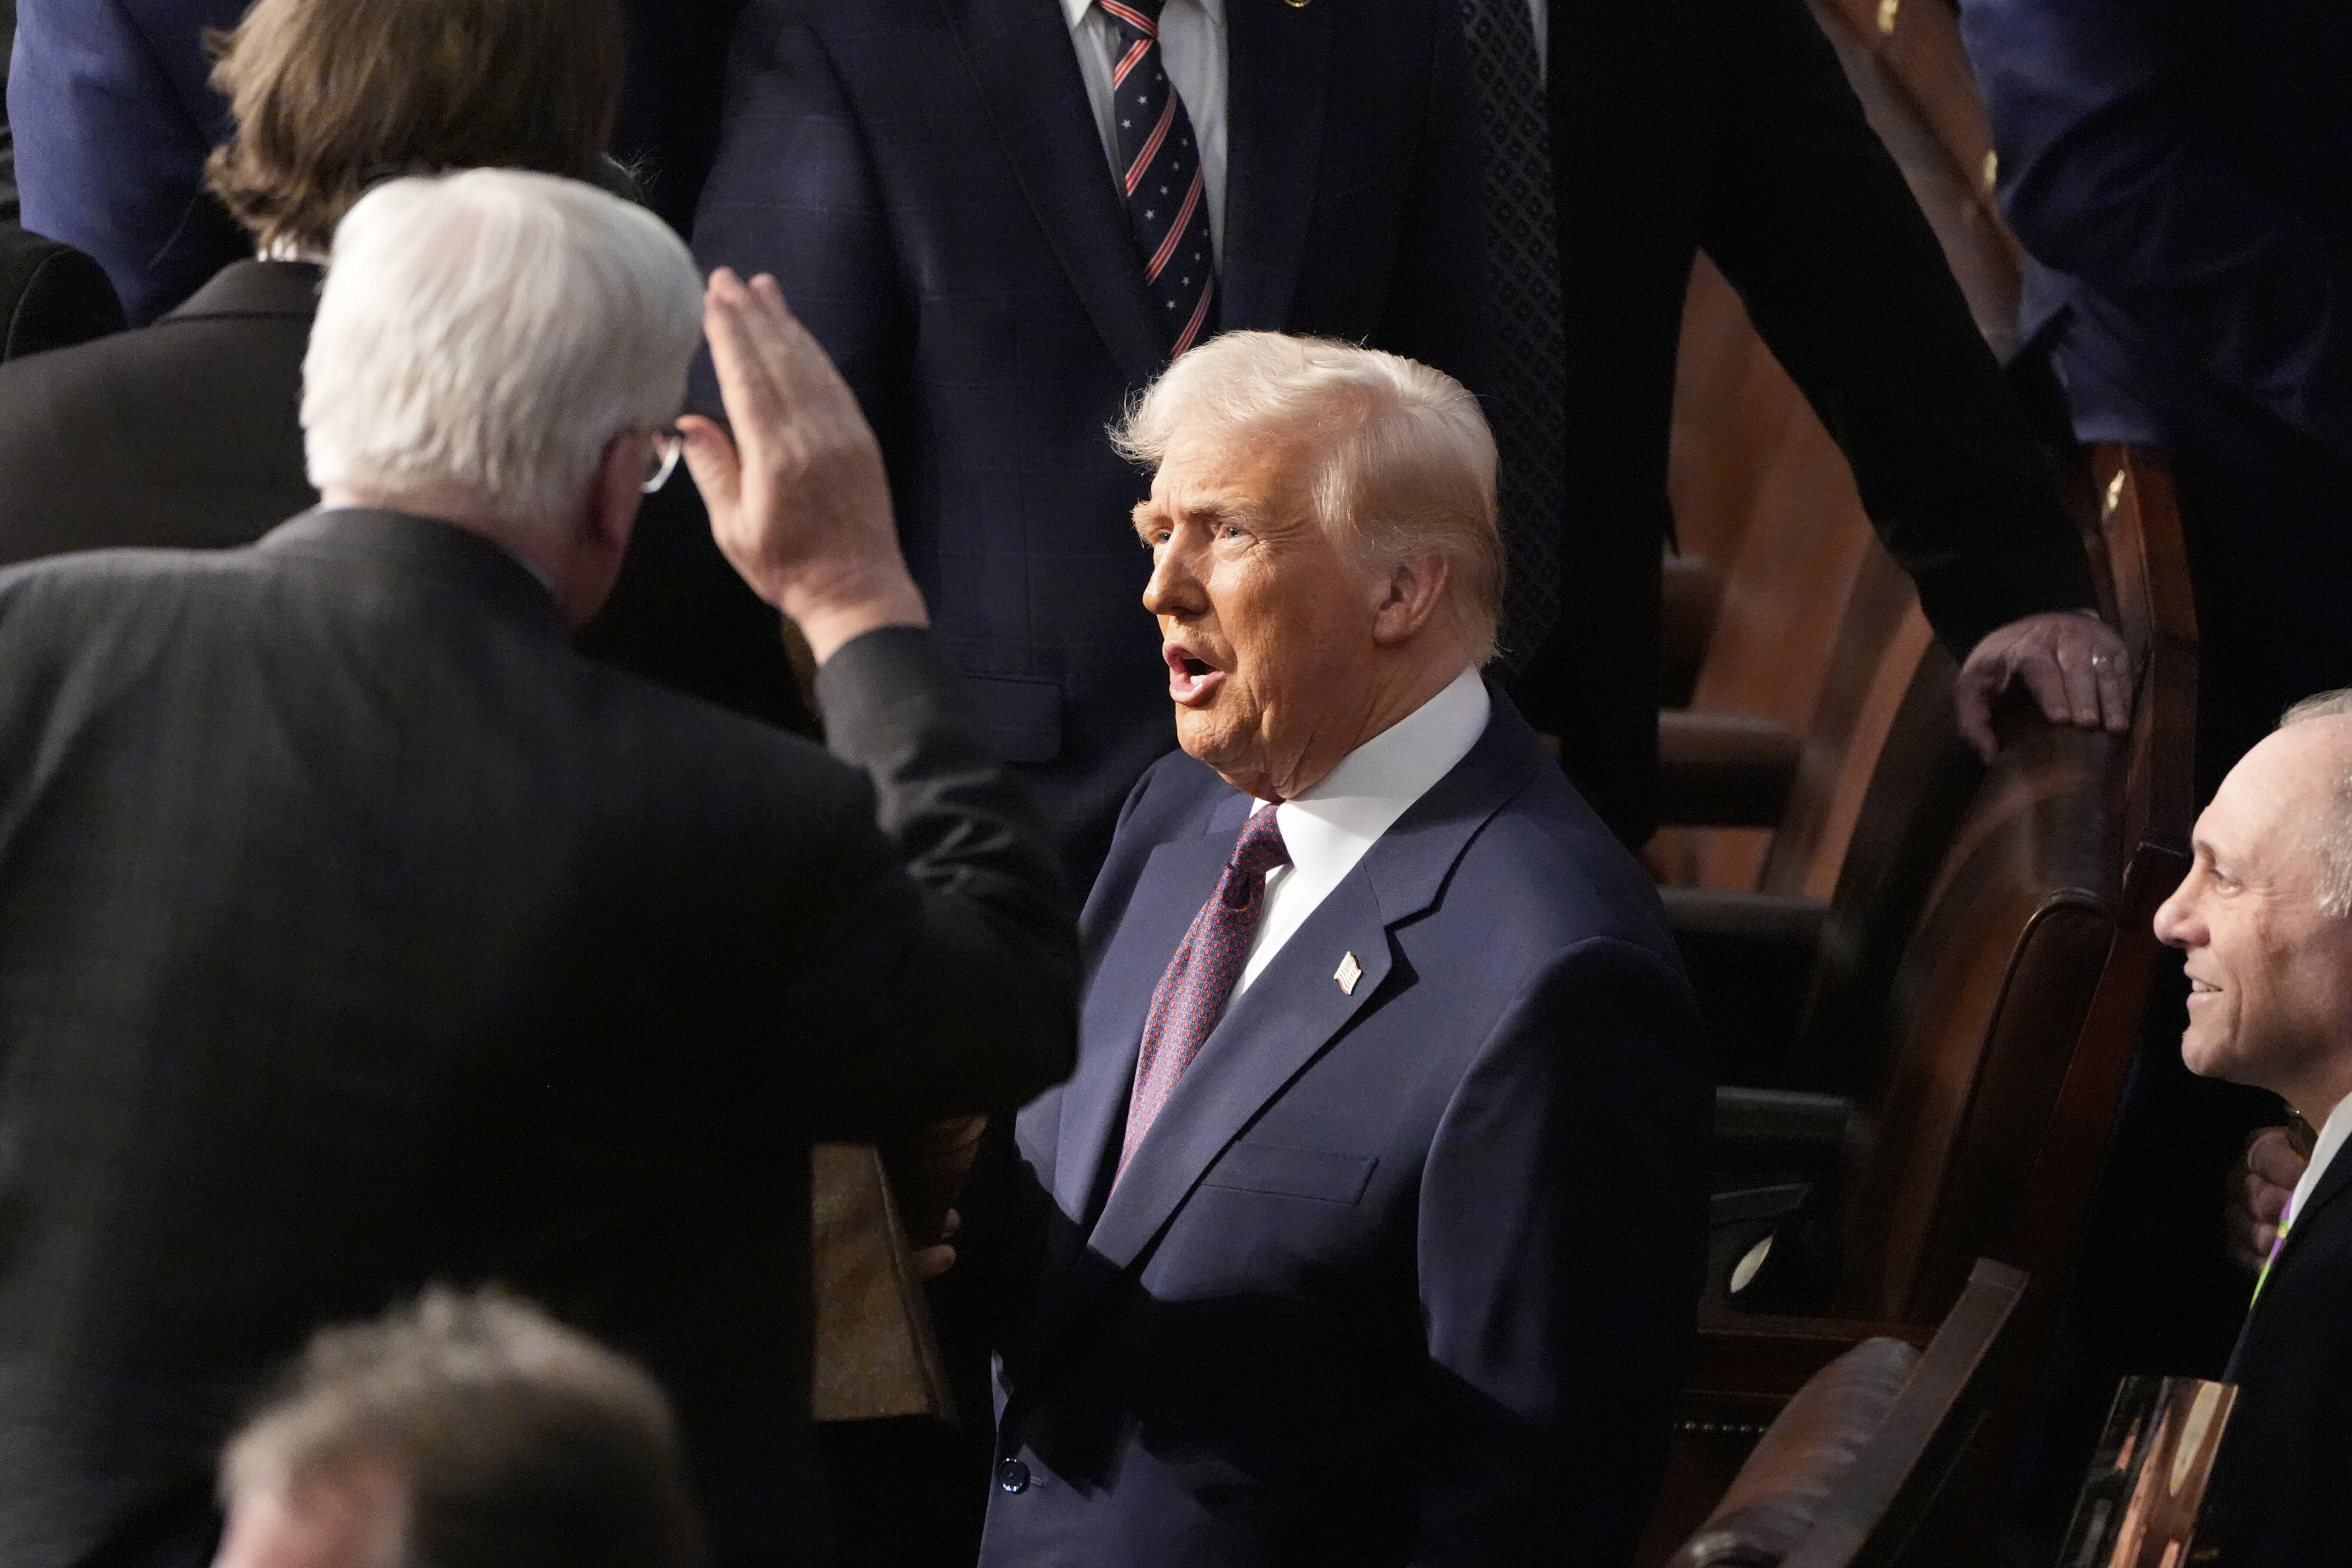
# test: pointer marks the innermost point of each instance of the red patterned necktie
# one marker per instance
(1159, 172)
(1192, 995)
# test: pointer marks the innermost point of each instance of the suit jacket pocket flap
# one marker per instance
(1024, 715)
(1292, 1173)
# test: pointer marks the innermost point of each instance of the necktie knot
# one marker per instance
(1259, 850)
(1143, 15)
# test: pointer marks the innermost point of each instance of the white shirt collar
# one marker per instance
(1338, 819)
(1078, 10)
(2333, 1133)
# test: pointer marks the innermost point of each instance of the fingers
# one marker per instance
(2271, 1159)
(739, 323)
(2250, 1248)
(1972, 696)
(2081, 679)
(718, 471)
(2038, 671)
(930, 1262)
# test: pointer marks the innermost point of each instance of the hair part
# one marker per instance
(519, 1440)
(491, 332)
(330, 96)
(1405, 464)
(2331, 839)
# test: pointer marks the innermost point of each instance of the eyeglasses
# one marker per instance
(669, 441)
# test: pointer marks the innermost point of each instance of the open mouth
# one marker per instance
(1190, 678)
(2201, 988)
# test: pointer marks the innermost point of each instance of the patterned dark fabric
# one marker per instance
(1523, 262)
(1192, 995)
(1161, 179)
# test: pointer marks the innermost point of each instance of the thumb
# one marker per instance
(718, 471)
(1973, 696)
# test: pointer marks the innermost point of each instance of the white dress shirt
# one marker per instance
(1328, 829)
(2332, 1135)
(1192, 47)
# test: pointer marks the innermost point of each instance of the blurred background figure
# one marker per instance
(2183, 172)
(1727, 126)
(464, 1431)
(112, 119)
(118, 118)
(184, 433)
(50, 294)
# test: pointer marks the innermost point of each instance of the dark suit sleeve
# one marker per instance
(113, 118)
(2116, 166)
(961, 971)
(793, 192)
(1562, 1225)
(1809, 219)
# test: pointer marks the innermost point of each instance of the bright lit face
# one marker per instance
(1271, 628)
(2270, 972)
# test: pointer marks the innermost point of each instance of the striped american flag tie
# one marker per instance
(1160, 172)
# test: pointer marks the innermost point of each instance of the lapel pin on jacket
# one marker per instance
(1347, 974)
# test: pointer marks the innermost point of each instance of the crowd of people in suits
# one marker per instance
(1161, 471)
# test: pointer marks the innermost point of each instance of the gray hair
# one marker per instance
(2331, 839)
(491, 331)
(1406, 462)
(519, 1440)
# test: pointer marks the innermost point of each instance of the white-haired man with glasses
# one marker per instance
(356, 932)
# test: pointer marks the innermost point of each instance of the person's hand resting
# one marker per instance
(2259, 1189)
(798, 501)
(2071, 661)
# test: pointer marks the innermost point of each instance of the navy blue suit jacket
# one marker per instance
(2185, 166)
(113, 116)
(1401, 1274)
(927, 182)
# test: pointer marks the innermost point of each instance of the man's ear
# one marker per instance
(1414, 591)
(620, 490)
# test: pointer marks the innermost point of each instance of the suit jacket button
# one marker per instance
(1012, 1476)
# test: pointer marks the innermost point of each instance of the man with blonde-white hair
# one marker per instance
(356, 932)
(1370, 1224)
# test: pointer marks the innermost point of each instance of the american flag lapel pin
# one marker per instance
(1347, 974)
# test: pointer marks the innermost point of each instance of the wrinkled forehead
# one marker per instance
(1265, 468)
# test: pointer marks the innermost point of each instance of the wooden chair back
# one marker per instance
(1872, 1452)
(1900, 1504)
(2019, 1000)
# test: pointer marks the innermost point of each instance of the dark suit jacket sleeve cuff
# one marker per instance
(881, 690)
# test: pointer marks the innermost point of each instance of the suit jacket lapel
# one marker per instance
(1290, 1016)
(1276, 64)
(1285, 1020)
(1176, 881)
(1019, 51)
(2332, 1185)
